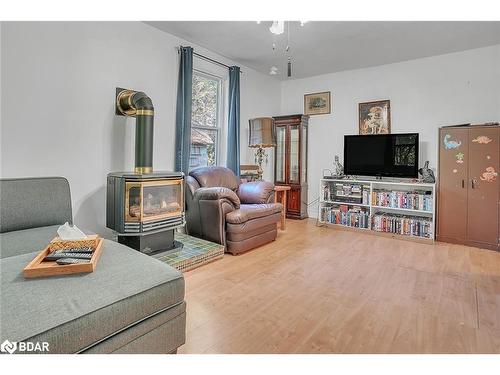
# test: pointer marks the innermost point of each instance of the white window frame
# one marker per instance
(220, 148)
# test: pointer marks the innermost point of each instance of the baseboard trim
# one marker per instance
(458, 241)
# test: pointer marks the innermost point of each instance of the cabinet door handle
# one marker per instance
(463, 183)
(473, 183)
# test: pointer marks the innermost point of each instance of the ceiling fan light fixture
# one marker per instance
(273, 71)
(278, 27)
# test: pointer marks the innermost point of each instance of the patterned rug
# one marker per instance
(195, 253)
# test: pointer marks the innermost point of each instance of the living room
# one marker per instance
(250, 187)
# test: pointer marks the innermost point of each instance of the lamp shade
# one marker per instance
(261, 132)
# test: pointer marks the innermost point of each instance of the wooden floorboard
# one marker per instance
(326, 290)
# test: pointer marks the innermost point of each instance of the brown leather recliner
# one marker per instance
(240, 216)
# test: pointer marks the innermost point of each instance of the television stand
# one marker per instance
(399, 209)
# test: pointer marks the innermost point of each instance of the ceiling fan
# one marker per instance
(278, 28)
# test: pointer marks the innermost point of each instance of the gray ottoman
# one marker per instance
(131, 303)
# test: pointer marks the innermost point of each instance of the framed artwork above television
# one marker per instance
(375, 117)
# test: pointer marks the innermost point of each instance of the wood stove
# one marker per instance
(144, 207)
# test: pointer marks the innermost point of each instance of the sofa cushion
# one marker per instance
(215, 177)
(168, 327)
(73, 312)
(26, 241)
(255, 192)
(248, 212)
(217, 193)
(34, 202)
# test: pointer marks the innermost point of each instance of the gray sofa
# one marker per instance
(131, 303)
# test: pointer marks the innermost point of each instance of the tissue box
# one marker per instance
(58, 244)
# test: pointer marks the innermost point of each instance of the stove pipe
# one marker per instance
(139, 105)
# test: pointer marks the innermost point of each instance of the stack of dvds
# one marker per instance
(401, 224)
(343, 215)
(346, 192)
(414, 200)
(366, 195)
(323, 216)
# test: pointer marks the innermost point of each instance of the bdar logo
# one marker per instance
(8, 347)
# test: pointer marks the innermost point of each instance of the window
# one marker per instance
(206, 120)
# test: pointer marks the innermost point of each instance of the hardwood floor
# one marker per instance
(326, 290)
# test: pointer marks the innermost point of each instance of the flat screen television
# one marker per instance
(385, 155)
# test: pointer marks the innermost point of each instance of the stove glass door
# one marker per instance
(161, 199)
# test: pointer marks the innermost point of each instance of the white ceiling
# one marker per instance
(326, 47)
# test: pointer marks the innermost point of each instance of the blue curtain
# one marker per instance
(183, 110)
(233, 134)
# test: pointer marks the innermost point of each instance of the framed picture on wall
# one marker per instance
(317, 104)
(375, 117)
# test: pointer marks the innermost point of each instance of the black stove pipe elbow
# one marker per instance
(137, 104)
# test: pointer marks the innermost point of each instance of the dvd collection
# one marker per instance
(346, 192)
(414, 200)
(359, 217)
(352, 217)
(401, 224)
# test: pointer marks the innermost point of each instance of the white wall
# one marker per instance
(425, 94)
(58, 84)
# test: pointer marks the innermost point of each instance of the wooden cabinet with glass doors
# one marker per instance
(290, 162)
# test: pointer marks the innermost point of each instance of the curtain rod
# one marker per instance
(207, 58)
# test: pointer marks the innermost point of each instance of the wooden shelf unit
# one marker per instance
(372, 209)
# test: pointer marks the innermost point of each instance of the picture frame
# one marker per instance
(318, 103)
(374, 117)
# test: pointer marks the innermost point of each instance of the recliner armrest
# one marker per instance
(217, 193)
(256, 192)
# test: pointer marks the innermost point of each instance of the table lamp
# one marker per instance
(261, 136)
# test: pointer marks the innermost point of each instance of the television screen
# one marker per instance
(388, 155)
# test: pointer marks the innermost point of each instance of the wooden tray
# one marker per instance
(38, 268)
